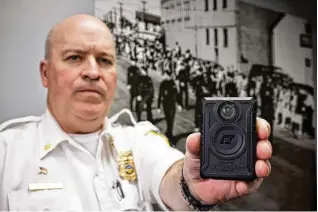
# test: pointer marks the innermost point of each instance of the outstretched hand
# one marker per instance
(210, 191)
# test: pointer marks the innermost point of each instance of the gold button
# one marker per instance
(47, 147)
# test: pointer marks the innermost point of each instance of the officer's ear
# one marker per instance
(44, 67)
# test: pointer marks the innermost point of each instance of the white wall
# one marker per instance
(212, 18)
(170, 13)
(176, 32)
(227, 55)
(288, 54)
(23, 29)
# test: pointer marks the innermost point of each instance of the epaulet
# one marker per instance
(158, 133)
(149, 129)
(146, 126)
(18, 121)
(122, 118)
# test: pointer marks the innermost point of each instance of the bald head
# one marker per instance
(79, 72)
(70, 24)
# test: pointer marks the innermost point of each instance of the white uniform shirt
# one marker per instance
(35, 150)
(88, 141)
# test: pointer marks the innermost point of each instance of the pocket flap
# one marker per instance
(45, 200)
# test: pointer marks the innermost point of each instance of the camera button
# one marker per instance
(228, 140)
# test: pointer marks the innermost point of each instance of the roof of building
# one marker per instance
(148, 17)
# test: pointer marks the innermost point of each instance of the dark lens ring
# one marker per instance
(227, 111)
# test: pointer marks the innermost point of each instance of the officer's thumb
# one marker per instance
(193, 145)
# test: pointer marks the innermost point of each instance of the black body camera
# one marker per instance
(228, 138)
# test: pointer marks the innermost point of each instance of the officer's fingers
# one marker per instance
(241, 188)
(264, 150)
(263, 129)
(262, 168)
(253, 186)
(244, 188)
(193, 145)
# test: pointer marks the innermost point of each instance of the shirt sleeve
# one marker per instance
(3, 153)
(157, 156)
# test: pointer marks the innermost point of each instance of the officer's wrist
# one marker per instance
(193, 202)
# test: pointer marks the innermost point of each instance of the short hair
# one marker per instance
(48, 45)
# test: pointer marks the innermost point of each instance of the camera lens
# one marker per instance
(227, 111)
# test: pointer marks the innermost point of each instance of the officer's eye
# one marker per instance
(105, 61)
(73, 58)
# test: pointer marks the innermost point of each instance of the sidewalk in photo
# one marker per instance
(287, 136)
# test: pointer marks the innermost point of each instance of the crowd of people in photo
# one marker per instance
(280, 101)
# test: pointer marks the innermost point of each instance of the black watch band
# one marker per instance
(193, 202)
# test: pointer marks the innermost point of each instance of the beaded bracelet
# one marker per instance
(193, 202)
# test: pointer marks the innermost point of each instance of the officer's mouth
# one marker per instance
(91, 96)
(90, 91)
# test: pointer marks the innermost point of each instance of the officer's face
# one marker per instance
(80, 74)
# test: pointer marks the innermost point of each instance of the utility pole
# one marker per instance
(144, 6)
(110, 21)
(121, 16)
(144, 11)
(115, 18)
(111, 16)
(195, 29)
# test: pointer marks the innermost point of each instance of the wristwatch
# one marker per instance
(193, 202)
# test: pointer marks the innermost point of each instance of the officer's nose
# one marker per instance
(91, 70)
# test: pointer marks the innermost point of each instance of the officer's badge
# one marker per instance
(126, 166)
(160, 135)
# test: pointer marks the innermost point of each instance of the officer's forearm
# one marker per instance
(170, 192)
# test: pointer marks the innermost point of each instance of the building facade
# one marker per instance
(207, 28)
(255, 35)
(293, 49)
(239, 34)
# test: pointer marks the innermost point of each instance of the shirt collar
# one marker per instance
(51, 134)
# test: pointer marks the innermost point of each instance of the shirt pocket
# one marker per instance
(46, 200)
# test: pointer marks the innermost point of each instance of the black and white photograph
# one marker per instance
(69, 68)
(172, 53)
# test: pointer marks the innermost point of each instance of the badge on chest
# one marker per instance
(126, 166)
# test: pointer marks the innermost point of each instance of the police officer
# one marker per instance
(132, 76)
(145, 94)
(150, 57)
(168, 97)
(74, 158)
(177, 50)
(169, 64)
(187, 56)
(230, 86)
(183, 79)
(309, 108)
(267, 101)
(200, 92)
(133, 49)
(213, 82)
